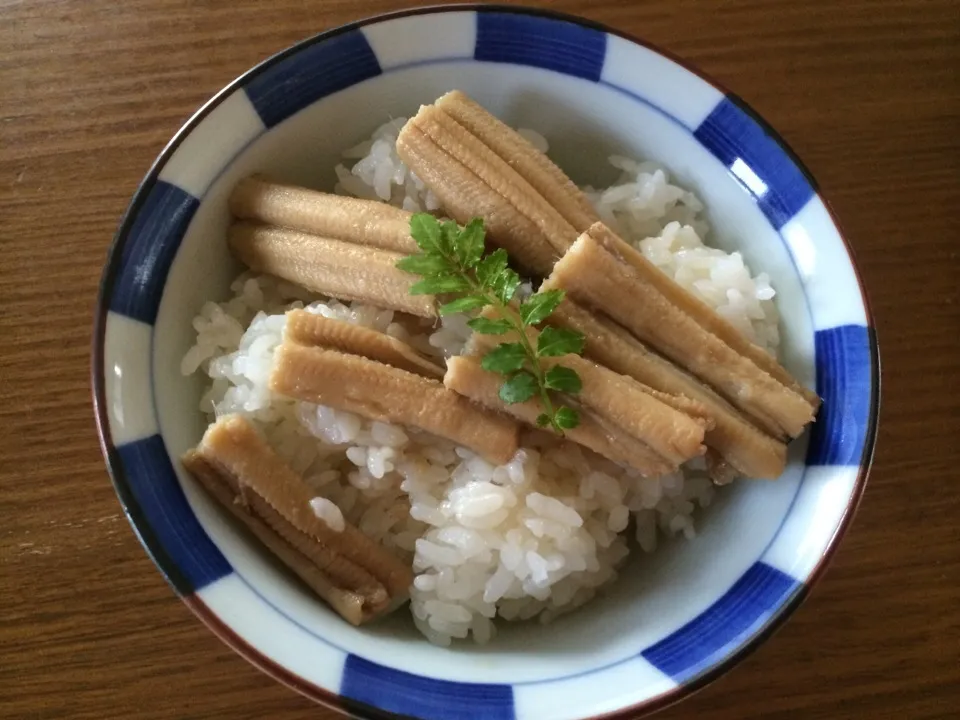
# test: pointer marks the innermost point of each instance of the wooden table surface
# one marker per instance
(90, 91)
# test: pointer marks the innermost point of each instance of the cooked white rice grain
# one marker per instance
(329, 513)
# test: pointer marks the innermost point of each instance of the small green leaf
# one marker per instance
(505, 285)
(423, 264)
(469, 244)
(487, 326)
(505, 358)
(566, 418)
(449, 231)
(563, 379)
(491, 267)
(519, 388)
(425, 231)
(440, 284)
(452, 263)
(535, 309)
(554, 342)
(464, 304)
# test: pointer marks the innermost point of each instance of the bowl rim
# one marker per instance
(338, 702)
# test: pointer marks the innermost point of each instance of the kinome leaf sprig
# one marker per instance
(452, 263)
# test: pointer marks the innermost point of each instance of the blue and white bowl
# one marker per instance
(672, 622)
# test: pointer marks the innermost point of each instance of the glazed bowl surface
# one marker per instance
(674, 619)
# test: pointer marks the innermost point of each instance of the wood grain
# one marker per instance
(90, 90)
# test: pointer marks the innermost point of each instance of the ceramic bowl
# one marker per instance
(675, 619)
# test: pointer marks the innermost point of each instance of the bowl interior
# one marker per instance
(656, 593)
(616, 651)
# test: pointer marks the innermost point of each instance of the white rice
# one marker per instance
(329, 513)
(663, 221)
(536, 537)
(379, 174)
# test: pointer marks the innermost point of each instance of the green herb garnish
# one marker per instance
(452, 263)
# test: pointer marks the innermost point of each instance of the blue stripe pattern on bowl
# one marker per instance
(164, 508)
(417, 696)
(757, 160)
(541, 42)
(149, 248)
(743, 608)
(304, 77)
(843, 381)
